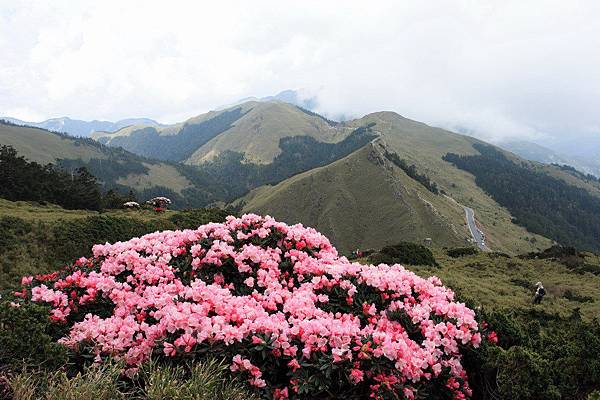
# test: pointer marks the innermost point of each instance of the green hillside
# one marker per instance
(362, 200)
(417, 154)
(116, 168)
(257, 135)
(164, 144)
(259, 143)
(111, 166)
(45, 147)
(253, 129)
(544, 203)
(42, 238)
(228, 153)
(503, 282)
(389, 204)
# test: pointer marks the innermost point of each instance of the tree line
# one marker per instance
(541, 203)
(75, 188)
(411, 171)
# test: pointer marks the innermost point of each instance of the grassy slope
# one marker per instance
(45, 147)
(32, 212)
(257, 133)
(158, 175)
(36, 238)
(591, 186)
(363, 201)
(424, 146)
(488, 280)
(162, 130)
(419, 144)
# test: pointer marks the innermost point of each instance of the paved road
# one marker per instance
(477, 235)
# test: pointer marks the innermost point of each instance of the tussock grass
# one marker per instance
(97, 383)
(206, 380)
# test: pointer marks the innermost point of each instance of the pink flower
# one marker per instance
(169, 349)
(281, 394)
(294, 364)
(257, 340)
(186, 341)
(356, 376)
(26, 280)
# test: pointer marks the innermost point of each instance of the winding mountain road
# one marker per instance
(477, 235)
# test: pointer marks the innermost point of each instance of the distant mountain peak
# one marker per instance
(81, 128)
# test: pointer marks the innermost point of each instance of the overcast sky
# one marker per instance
(501, 68)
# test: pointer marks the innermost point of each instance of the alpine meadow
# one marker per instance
(279, 200)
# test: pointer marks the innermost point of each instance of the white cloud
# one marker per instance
(502, 68)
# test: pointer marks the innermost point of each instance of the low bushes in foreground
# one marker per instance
(208, 380)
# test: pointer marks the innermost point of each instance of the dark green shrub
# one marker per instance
(404, 253)
(539, 356)
(461, 252)
(591, 268)
(28, 338)
(523, 374)
(568, 256)
(573, 296)
(497, 254)
(75, 238)
(523, 283)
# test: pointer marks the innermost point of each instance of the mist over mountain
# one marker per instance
(535, 152)
(579, 151)
(296, 97)
(585, 147)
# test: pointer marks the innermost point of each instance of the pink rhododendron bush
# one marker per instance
(292, 317)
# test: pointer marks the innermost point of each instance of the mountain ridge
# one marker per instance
(264, 156)
(82, 128)
(349, 183)
(255, 133)
(115, 168)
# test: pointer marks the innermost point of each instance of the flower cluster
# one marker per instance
(296, 319)
(159, 203)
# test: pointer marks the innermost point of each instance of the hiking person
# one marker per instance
(540, 292)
